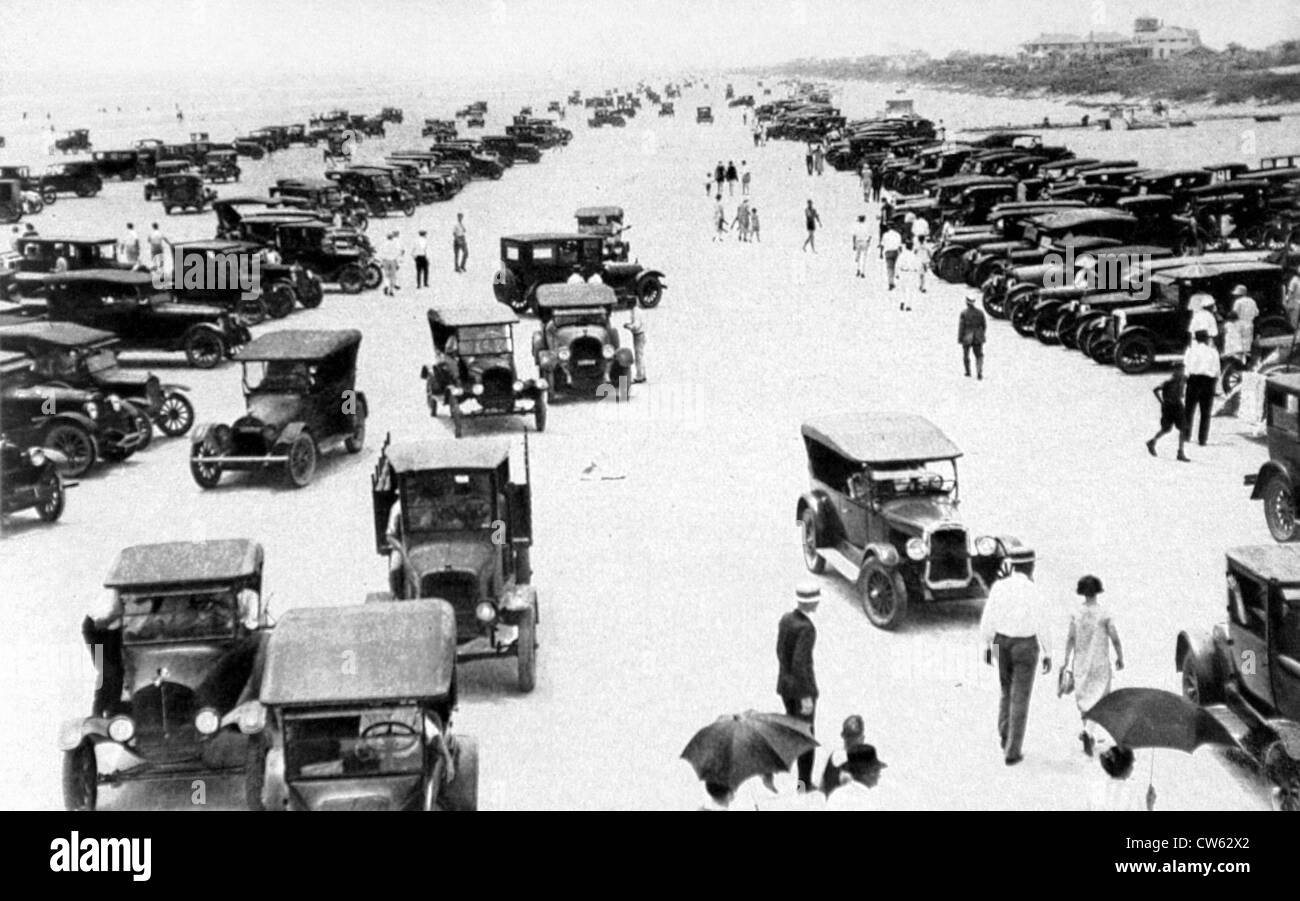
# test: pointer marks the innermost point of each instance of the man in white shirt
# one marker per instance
(861, 243)
(1203, 318)
(128, 246)
(420, 252)
(857, 780)
(891, 242)
(921, 229)
(1244, 313)
(1201, 362)
(1017, 620)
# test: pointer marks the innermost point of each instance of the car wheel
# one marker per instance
(206, 472)
(1102, 350)
(995, 302)
(649, 293)
(49, 491)
(351, 279)
(356, 442)
(254, 773)
(1045, 328)
(49, 195)
(1231, 377)
(251, 311)
(1279, 508)
(1022, 315)
(540, 407)
(1135, 354)
(204, 350)
(527, 650)
(461, 793)
(815, 562)
(301, 465)
(949, 267)
(408, 208)
(280, 300)
(76, 444)
(373, 275)
(80, 777)
(1065, 333)
(1197, 688)
(85, 189)
(167, 209)
(175, 416)
(884, 596)
(129, 175)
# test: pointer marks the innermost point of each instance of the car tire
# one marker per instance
(77, 444)
(540, 407)
(356, 442)
(815, 562)
(995, 302)
(949, 267)
(1102, 350)
(1045, 328)
(129, 175)
(461, 793)
(1230, 378)
(373, 275)
(301, 465)
(408, 208)
(1064, 323)
(251, 311)
(145, 427)
(175, 416)
(80, 777)
(51, 496)
(351, 279)
(254, 773)
(526, 649)
(1280, 508)
(280, 300)
(649, 293)
(167, 209)
(206, 474)
(884, 596)
(204, 350)
(85, 189)
(49, 195)
(1022, 315)
(1198, 685)
(1135, 354)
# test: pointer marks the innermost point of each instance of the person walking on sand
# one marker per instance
(875, 183)
(1016, 622)
(1239, 336)
(719, 176)
(905, 266)
(922, 252)
(459, 245)
(1173, 414)
(128, 247)
(864, 176)
(744, 178)
(796, 682)
(1203, 317)
(753, 224)
(861, 245)
(732, 178)
(1201, 361)
(420, 253)
(390, 255)
(891, 244)
(808, 158)
(742, 220)
(819, 158)
(719, 219)
(1087, 653)
(637, 327)
(157, 249)
(811, 221)
(971, 328)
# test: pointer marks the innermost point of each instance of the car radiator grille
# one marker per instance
(949, 558)
(156, 734)
(586, 356)
(459, 590)
(498, 388)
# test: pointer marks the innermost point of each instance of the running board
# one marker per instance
(841, 564)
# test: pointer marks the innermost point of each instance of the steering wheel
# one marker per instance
(392, 729)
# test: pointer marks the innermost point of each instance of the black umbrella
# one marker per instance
(737, 746)
(1151, 718)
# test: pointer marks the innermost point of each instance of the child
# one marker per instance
(1172, 414)
(753, 223)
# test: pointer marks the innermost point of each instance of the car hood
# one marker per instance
(274, 409)
(51, 392)
(195, 312)
(369, 793)
(463, 555)
(117, 378)
(622, 269)
(918, 514)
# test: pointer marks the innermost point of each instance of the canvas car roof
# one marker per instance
(588, 212)
(564, 297)
(550, 236)
(318, 184)
(63, 239)
(397, 650)
(220, 245)
(184, 562)
(481, 314)
(418, 456)
(298, 344)
(50, 334)
(1204, 270)
(1074, 218)
(881, 437)
(1270, 561)
(1069, 163)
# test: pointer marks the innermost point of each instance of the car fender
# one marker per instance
(206, 327)
(253, 709)
(1270, 468)
(646, 274)
(288, 436)
(817, 502)
(624, 357)
(170, 386)
(79, 419)
(1200, 642)
(201, 433)
(1136, 331)
(73, 732)
(363, 405)
(887, 554)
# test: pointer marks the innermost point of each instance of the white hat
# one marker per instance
(808, 592)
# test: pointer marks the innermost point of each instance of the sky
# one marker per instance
(513, 38)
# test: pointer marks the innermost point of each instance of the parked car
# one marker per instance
(577, 348)
(883, 512)
(301, 397)
(164, 169)
(475, 366)
(464, 534)
(333, 255)
(39, 255)
(30, 480)
(72, 141)
(1246, 670)
(127, 304)
(124, 164)
(184, 191)
(67, 355)
(324, 195)
(602, 117)
(12, 203)
(704, 114)
(221, 165)
(606, 221)
(666, 109)
(376, 190)
(80, 177)
(376, 736)
(1276, 482)
(530, 261)
(279, 286)
(179, 648)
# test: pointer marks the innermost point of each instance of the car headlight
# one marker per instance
(252, 718)
(455, 391)
(985, 546)
(916, 549)
(485, 612)
(37, 456)
(607, 351)
(542, 385)
(121, 729)
(249, 608)
(563, 354)
(518, 386)
(91, 408)
(476, 390)
(207, 721)
(115, 402)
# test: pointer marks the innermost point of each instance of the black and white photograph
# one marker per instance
(390, 423)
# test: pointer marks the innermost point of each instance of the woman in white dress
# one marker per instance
(1087, 652)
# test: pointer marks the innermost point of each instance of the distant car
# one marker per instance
(80, 177)
(374, 737)
(27, 182)
(124, 164)
(221, 165)
(179, 649)
(299, 388)
(77, 139)
(334, 255)
(280, 286)
(30, 480)
(164, 169)
(704, 114)
(1246, 671)
(606, 221)
(602, 117)
(882, 511)
(185, 191)
(666, 109)
(532, 260)
(464, 534)
(577, 348)
(39, 255)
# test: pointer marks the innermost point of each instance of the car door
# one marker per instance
(1248, 628)
(1284, 637)
(854, 507)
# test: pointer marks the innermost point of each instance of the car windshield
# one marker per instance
(579, 317)
(57, 364)
(177, 615)
(384, 741)
(916, 478)
(279, 376)
(447, 501)
(484, 340)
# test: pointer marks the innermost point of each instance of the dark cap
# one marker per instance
(853, 727)
(863, 759)
(1089, 585)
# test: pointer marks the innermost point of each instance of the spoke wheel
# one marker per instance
(206, 472)
(204, 350)
(301, 465)
(76, 444)
(80, 777)
(176, 415)
(50, 492)
(1279, 509)
(884, 596)
(815, 562)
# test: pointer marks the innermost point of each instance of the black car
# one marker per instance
(30, 480)
(323, 196)
(76, 139)
(184, 191)
(375, 189)
(221, 164)
(29, 182)
(80, 177)
(529, 261)
(279, 286)
(577, 348)
(40, 255)
(333, 255)
(76, 356)
(124, 164)
(165, 168)
(144, 317)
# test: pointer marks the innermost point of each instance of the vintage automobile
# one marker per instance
(666, 109)
(277, 287)
(577, 348)
(124, 164)
(324, 195)
(78, 177)
(375, 189)
(142, 316)
(1246, 671)
(221, 165)
(30, 480)
(464, 535)
(12, 204)
(606, 221)
(29, 182)
(165, 169)
(39, 255)
(392, 114)
(1276, 482)
(603, 117)
(375, 735)
(301, 397)
(178, 647)
(474, 372)
(704, 114)
(333, 255)
(232, 211)
(70, 356)
(77, 139)
(183, 191)
(511, 150)
(530, 261)
(81, 426)
(882, 511)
